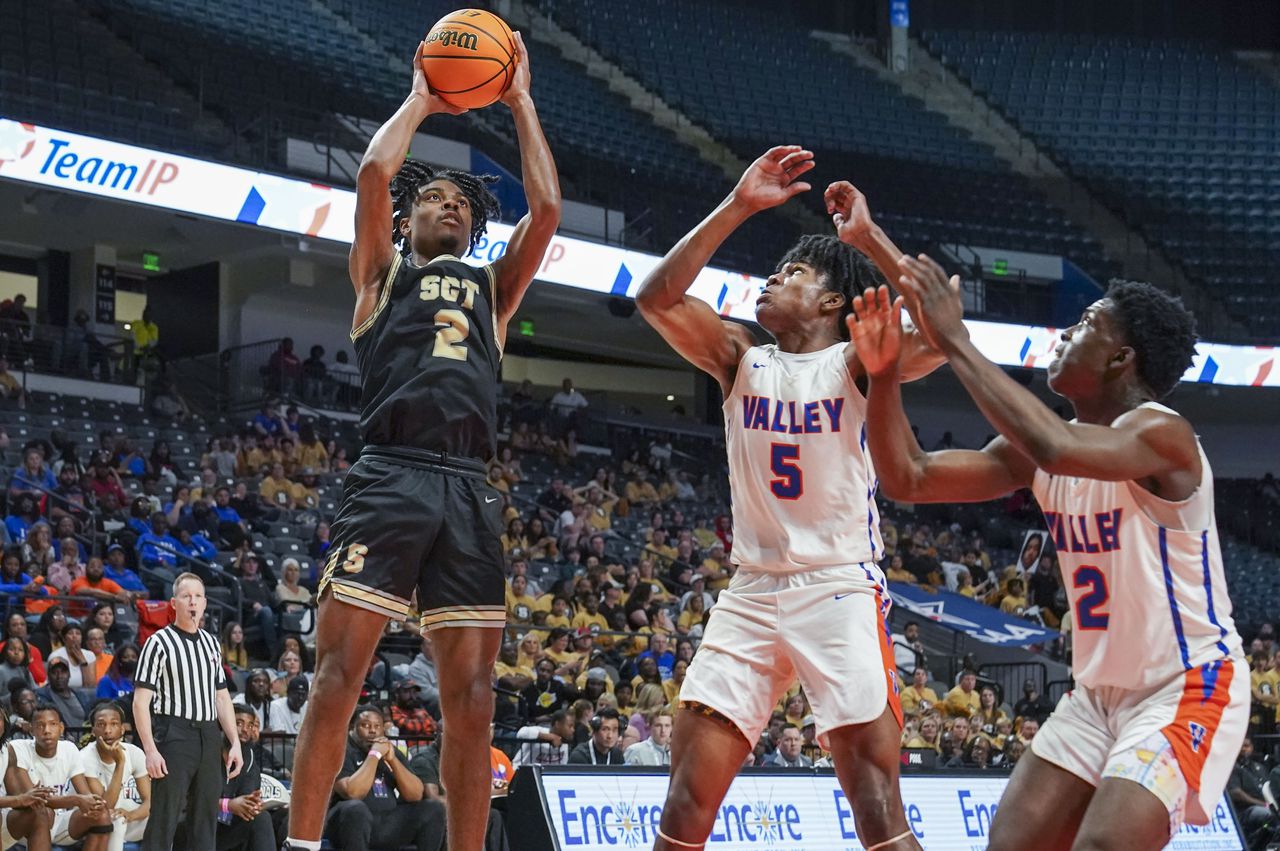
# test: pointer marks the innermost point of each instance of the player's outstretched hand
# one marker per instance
(875, 328)
(848, 209)
(519, 87)
(422, 88)
(773, 178)
(933, 301)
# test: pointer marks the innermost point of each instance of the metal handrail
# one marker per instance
(62, 500)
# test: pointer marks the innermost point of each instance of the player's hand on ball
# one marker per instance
(773, 178)
(934, 301)
(423, 89)
(848, 209)
(520, 82)
(875, 328)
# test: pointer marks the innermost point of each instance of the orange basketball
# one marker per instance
(469, 58)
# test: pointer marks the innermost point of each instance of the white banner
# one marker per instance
(76, 163)
(800, 812)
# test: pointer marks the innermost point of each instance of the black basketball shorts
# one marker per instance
(412, 520)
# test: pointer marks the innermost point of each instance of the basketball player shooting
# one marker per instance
(808, 599)
(1151, 730)
(417, 514)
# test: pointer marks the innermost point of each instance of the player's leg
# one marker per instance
(733, 684)
(867, 760)
(465, 658)
(94, 830)
(380, 534)
(462, 595)
(706, 752)
(32, 826)
(1042, 807)
(346, 637)
(1054, 782)
(1123, 815)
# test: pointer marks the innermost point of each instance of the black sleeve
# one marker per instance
(350, 763)
(579, 755)
(426, 766)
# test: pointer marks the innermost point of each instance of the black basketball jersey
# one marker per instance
(429, 358)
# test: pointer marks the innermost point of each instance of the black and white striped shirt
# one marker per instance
(184, 669)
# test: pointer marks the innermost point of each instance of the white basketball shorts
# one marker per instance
(826, 627)
(1180, 740)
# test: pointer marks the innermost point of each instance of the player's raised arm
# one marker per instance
(851, 216)
(906, 471)
(372, 249)
(1127, 443)
(515, 269)
(689, 324)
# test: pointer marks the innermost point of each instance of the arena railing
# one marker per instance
(68, 350)
(93, 537)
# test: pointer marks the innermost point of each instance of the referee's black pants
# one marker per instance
(192, 752)
(351, 826)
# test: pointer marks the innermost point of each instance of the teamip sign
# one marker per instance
(796, 810)
(76, 163)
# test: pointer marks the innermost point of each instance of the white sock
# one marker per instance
(303, 844)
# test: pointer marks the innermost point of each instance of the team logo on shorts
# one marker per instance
(354, 562)
(1198, 732)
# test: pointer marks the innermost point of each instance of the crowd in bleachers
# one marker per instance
(616, 558)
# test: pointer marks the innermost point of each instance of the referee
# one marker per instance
(179, 702)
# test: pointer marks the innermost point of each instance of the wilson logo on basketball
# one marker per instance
(452, 38)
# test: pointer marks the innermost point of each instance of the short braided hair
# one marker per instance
(846, 269)
(415, 174)
(1160, 329)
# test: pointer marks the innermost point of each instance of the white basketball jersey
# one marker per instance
(1144, 576)
(800, 473)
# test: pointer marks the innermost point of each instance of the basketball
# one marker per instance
(469, 58)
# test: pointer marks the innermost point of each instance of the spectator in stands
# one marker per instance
(546, 745)
(1028, 730)
(908, 649)
(194, 546)
(314, 375)
(555, 500)
(1244, 788)
(24, 512)
(16, 663)
(10, 387)
(16, 625)
(257, 696)
(964, 700)
(117, 684)
(37, 549)
(918, 698)
(95, 639)
(284, 369)
(68, 502)
(289, 594)
(22, 700)
(601, 748)
(640, 492)
(788, 754)
(48, 632)
(1014, 601)
(117, 572)
(47, 760)
(82, 662)
(546, 694)
(378, 802)
(422, 670)
(97, 585)
(989, 713)
(566, 404)
(346, 378)
(1033, 704)
(243, 823)
(233, 650)
(410, 717)
(256, 600)
(106, 481)
(117, 772)
(277, 489)
(655, 750)
(67, 568)
(269, 422)
(33, 476)
(659, 651)
(59, 692)
(157, 548)
(287, 712)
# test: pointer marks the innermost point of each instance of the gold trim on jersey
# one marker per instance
(486, 616)
(383, 296)
(493, 306)
(371, 599)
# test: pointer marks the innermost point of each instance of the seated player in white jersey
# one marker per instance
(1148, 736)
(808, 599)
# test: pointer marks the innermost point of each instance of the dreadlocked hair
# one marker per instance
(844, 269)
(1160, 329)
(415, 174)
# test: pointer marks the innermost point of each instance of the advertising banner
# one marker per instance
(986, 624)
(801, 811)
(77, 163)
